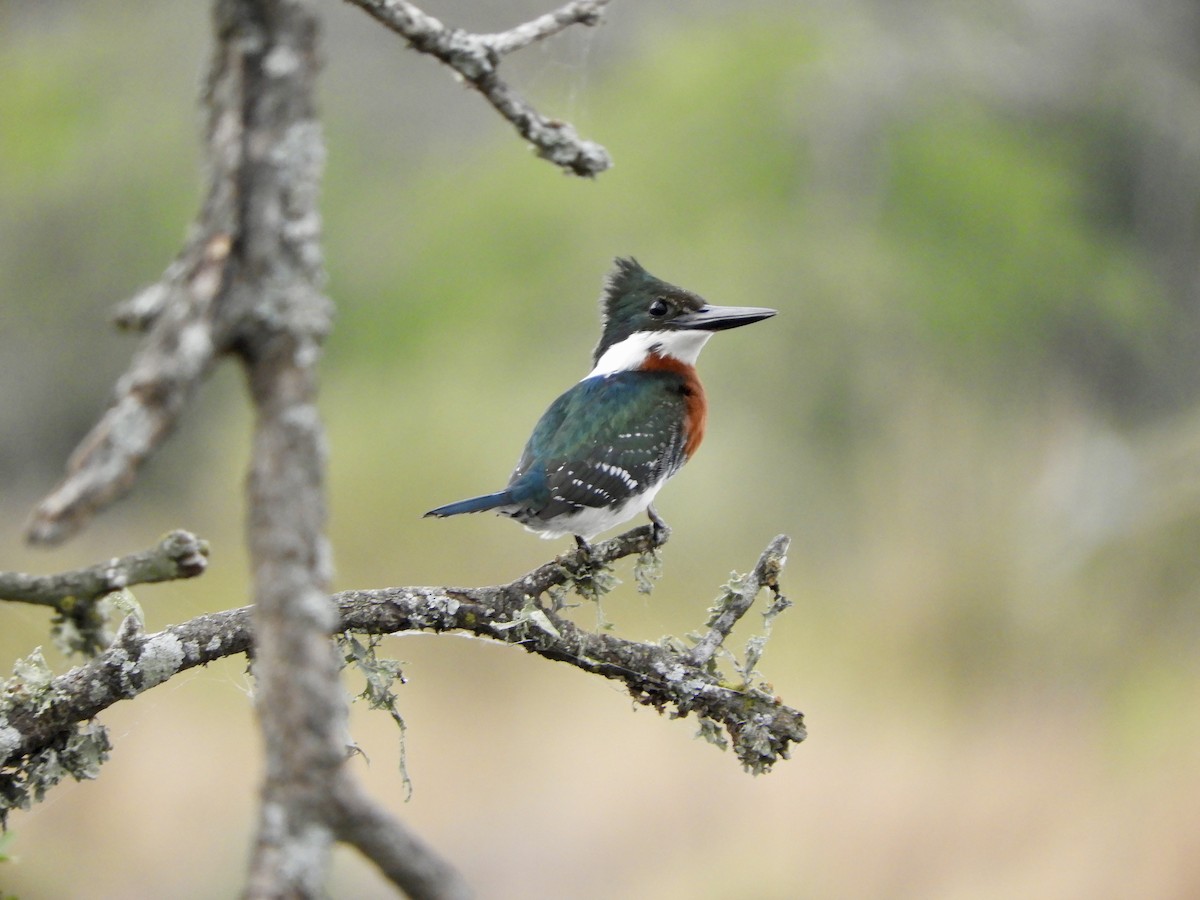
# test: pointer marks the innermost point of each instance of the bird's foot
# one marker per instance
(587, 564)
(661, 530)
(586, 558)
(593, 579)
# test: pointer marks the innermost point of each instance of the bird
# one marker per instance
(602, 451)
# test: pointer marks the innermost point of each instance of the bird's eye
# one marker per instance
(658, 308)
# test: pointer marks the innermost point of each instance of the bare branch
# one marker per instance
(248, 282)
(180, 554)
(579, 12)
(148, 399)
(402, 857)
(189, 323)
(264, 132)
(476, 58)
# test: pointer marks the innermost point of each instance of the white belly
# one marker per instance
(589, 521)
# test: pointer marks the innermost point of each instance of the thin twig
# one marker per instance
(580, 12)
(476, 58)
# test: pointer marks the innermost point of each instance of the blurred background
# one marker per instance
(976, 415)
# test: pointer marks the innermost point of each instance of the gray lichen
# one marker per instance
(647, 570)
(77, 752)
(10, 740)
(380, 675)
(161, 657)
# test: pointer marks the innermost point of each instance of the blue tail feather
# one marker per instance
(474, 504)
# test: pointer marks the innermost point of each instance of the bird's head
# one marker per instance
(643, 313)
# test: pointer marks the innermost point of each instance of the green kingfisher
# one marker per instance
(603, 450)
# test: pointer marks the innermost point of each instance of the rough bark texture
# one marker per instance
(267, 61)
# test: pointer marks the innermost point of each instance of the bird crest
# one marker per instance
(634, 300)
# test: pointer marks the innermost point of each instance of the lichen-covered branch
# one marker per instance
(180, 554)
(46, 732)
(135, 663)
(738, 596)
(476, 59)
(80, 598)
(665, 675)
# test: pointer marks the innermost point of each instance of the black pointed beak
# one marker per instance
(719, 318)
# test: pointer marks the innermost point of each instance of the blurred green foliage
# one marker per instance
(999, 246)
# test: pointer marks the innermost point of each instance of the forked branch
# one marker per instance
(476, 59)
